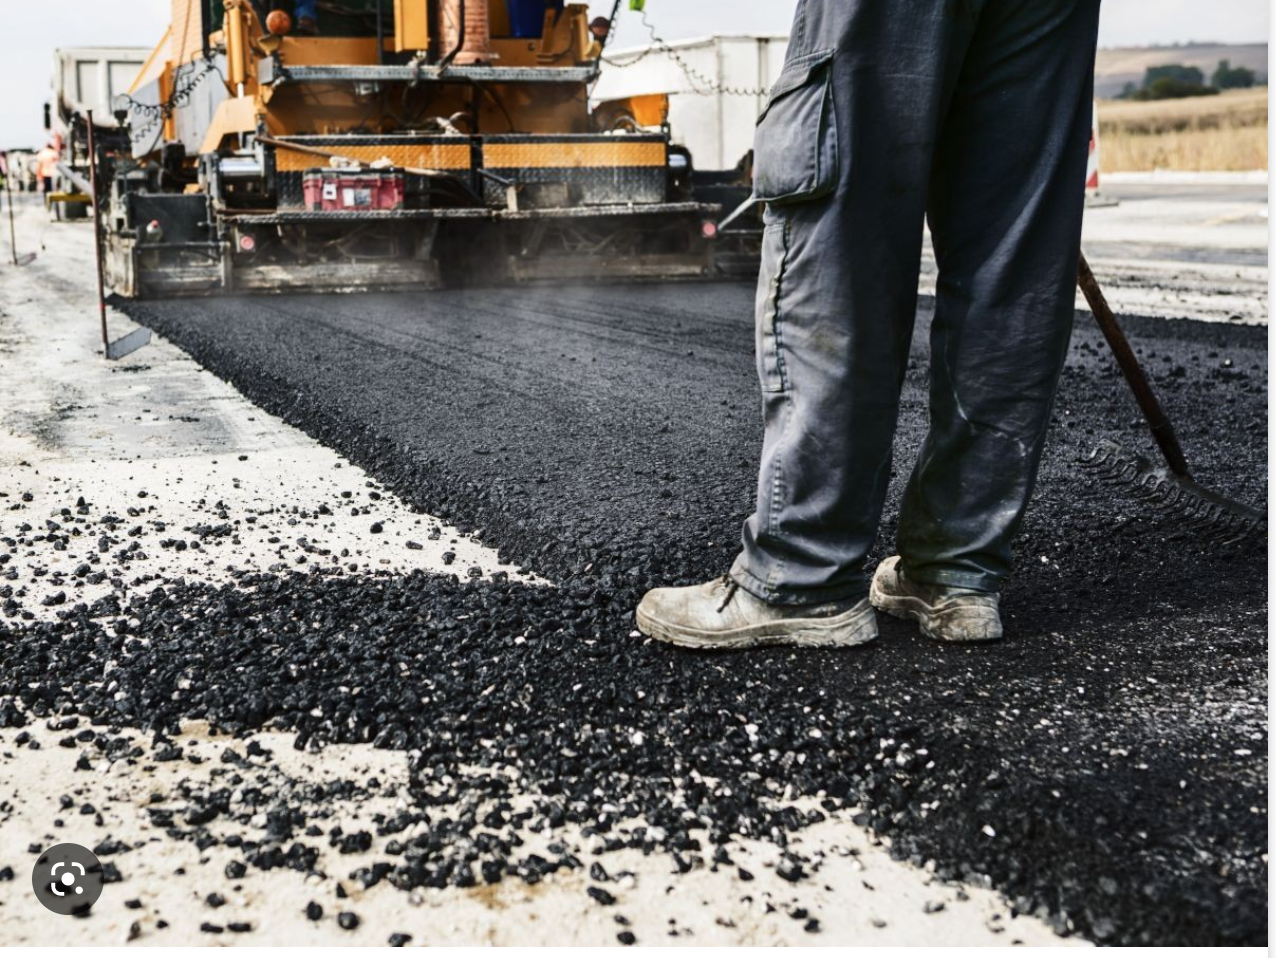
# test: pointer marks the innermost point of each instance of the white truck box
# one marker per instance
(89, 78)
(705, 115)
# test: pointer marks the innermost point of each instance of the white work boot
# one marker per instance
(947, 613)
(721, 615)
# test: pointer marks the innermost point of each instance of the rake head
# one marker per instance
(1215, 516)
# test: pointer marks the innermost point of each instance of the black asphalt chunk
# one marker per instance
(1105, 766)
(601, 895)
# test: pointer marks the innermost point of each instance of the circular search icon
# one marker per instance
(67, 878)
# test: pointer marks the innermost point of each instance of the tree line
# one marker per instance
(1174, 80)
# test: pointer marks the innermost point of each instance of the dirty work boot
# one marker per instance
(944, 612)
(720, 615)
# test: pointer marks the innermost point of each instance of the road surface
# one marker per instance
(1104, 768)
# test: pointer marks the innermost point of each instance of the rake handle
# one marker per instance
(1157, 420)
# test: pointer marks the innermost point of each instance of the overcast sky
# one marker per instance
(33, 29)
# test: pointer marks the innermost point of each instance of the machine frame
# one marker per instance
(501, 171)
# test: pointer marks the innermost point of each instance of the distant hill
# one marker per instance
(1116, 67)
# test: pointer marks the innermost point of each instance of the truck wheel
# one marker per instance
(75, 211)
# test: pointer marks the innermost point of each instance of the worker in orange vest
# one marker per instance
(47, 161)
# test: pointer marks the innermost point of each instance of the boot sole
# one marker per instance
(856, 626)
(910, 607)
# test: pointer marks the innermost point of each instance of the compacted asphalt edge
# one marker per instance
(1104, 767)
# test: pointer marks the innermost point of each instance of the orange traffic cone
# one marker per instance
(1092, 195)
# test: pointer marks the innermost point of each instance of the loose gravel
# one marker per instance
(1104, 767)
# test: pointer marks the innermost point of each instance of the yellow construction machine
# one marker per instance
(391, 144)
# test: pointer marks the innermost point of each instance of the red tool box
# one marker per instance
(337, 189)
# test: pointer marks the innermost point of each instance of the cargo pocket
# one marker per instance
(795, 143)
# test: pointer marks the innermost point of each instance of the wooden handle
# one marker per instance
(1158, 422)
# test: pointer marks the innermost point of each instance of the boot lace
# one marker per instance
(730, 586)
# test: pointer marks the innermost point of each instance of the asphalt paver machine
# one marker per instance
(394, 144)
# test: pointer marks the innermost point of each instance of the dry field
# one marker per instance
(1224, 132)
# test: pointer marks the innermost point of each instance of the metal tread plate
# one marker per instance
(271, 73)
(282, 217)
(610, 209)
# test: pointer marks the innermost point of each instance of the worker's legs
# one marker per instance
(1007, 195)
(982, 104)
(844, 150)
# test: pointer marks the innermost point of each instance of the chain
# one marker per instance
(628, 63)
(701, 83)
(159, 112)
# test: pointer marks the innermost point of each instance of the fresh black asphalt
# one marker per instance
(1105, 766)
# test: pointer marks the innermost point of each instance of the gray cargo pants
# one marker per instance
(976, 115)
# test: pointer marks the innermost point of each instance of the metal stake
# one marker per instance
(8, 189)
(97, 234)
(130, 342)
